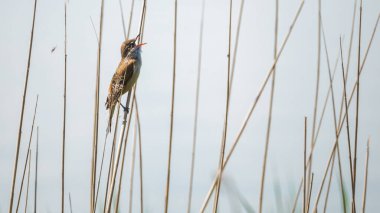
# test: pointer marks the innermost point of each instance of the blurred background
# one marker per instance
(293, 100)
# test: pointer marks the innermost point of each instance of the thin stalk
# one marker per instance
(122, 18)
(64, 122)
(140, 158)
(22, 181)
(71, 206)
(237, 36)
(224, 138)
(102, 162)
(36, 174)
(28, 153)
(331, 77)
(304, 167)
(329, 185)
(349, 54)
(310, 190)
(365, 178)
(347, 127)
(132, 172)
(196, 108)
(316, 89)
(93, 27)
(341, 182)
(357, 100)
(324, 176)
(130, 17)
(96, 114)
(254, 104)
(269, 114)
(22, 111)
(167, 190)
(27, 186)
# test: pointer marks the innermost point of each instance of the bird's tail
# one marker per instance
(110, 105)
(110, 111)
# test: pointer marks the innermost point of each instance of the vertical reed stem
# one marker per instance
(36, 174)
(22, 111)
(304, 166)
(27, 155)
(27, 186)
(365, 178)
(96, 114)
(196, 108)
(224, 138)
(140, 156)
(64, 121)
(269, 114)
(172, 110)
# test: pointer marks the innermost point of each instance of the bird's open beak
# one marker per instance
(139, 45)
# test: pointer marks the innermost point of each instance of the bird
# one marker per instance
(53, 49)
(125, 76)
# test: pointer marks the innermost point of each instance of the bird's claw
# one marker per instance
(126, 109)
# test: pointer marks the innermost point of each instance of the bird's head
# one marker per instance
(135, 52)
(128, 45)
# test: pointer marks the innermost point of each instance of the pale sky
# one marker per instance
(294, 99)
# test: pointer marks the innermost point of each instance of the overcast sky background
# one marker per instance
(294, 98)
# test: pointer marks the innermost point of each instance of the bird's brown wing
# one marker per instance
(121, 77)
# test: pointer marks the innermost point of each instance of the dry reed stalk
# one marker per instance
(349, 54)
(347, 125)
(304, 167)
(64, 121)
(357, 100)
(316, 92)
(131, 16)
(140, 158)
(331, 78)
(329, 185)
(14, 177)
(195, 127)
(102, 162)
(267, 137)
(96, 114)
(27, 155)
(132, 172)
(224, 138)
(27, 185)
(249, 114)
(324, 176)
(365, 178)
(310, 190)
(36, 174)
(22, 181)
(237, 36)
(319, 123)
(122, 18)
(167, 190)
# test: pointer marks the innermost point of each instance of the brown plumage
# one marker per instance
(125, 76)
